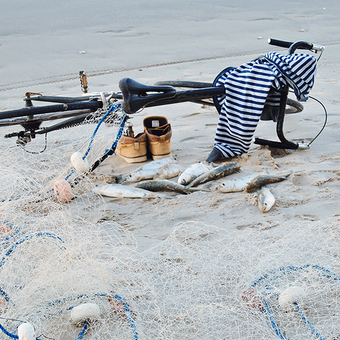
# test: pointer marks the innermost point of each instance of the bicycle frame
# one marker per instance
(134, 96)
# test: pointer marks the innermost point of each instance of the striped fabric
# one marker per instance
(246, 92)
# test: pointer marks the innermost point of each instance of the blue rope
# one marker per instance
(119, 298)
(272, 320)
(314, 331)
(11, 249)
(285, 270)
(13, 336)
(129, 316)
(277, 273)
(119, 134)
(81, 334)
(114, 107)
(28, 237)
(4, 294)
(10, 199)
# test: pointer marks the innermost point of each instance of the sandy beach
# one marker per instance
(181, 263)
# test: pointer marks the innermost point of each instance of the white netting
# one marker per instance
(202, 281)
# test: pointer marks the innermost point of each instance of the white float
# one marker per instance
(290, 296)
(85, 311)
(80, 164)
(26, 331)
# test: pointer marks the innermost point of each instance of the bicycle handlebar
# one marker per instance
(293, 46)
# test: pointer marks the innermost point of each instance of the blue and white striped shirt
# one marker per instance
(246, 92)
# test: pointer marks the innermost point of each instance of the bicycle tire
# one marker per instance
(48, 109)
(191, 85)
(42, 118)
(184, 83)
(292, 106)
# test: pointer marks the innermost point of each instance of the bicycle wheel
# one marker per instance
(292, 106)
(61, 110)
(31, 120)
(31, 117)
(191, 85)
(183, 83)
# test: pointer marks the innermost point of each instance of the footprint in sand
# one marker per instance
(308, 217)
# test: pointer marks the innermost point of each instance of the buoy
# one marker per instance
(26, 331)
(80, 164)
(63, 191)
(253, 299)
(5, 230)
(290, 296)
(3, 305)
(117, 307)
(85, 311)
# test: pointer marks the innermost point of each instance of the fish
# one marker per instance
(126, 191)
(192, 172)
(166, 185)
(235, 185)
(165, 167)
(265, 199)
(259, 181)
(223, 170)
(170, 171)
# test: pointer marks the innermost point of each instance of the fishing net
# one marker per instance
(201, 281)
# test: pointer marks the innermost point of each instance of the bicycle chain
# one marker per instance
(74, 76)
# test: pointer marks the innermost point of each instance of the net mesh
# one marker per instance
(201, 281)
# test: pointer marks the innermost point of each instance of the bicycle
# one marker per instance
(134, 97)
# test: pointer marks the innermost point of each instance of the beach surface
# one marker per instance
(44, 45)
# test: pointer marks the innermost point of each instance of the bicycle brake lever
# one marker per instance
(318, 48)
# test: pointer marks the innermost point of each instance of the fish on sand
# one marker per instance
(250, 183)
(170, 171)
(266, 199)
(126, 191)
(236, 184)
(162, 168)
(192, 172)
(166, 185)
(261, 180)
(223, 170)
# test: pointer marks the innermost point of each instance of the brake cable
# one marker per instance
(325, 122)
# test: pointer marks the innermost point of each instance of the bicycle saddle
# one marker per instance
(137, 95)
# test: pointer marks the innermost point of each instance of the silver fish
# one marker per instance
(218, 172)
(165, 167)
(259, 181)
(192, 172)
(125, 191)
(235, 185)
(165, 185)
(266, 200)
(169, 171)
